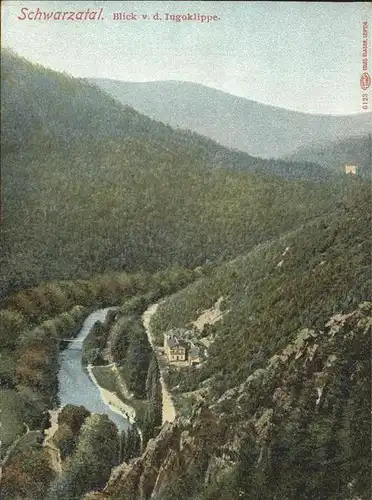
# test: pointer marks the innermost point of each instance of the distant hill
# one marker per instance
(69, 113)
(92, 186)
(335, 155)
(256, 128)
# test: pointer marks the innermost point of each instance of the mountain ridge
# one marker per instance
(261, 130)
(221, 91)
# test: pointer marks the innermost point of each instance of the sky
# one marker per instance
(305, 56)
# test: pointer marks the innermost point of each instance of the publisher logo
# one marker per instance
(365, 78)
(365, 81)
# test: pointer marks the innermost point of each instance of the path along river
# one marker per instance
(75, 385)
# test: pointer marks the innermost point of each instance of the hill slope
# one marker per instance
(90, 186)
(258, 129)
(48, 110)
(280, 408)
(335, 155)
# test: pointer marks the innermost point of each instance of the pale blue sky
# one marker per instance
(302, 56)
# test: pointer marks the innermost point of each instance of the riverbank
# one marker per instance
(112, 400)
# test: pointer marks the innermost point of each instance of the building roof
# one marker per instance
(178, 332)
(174, 341)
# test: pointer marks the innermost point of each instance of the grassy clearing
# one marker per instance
(107, 379)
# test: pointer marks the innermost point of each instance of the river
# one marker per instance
(75, 385)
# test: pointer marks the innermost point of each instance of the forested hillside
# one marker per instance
(256, 128)
(298, 279)
(335, 155)
(90, 186)
(280, 408)
(285, 385)
(45, 109)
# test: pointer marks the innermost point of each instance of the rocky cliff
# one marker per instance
(288, 415)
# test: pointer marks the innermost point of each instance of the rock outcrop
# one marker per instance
(299, 376)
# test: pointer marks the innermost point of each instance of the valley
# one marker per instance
(119, 232)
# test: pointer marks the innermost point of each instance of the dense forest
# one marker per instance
(300, 278)
(281, 407)
(90, 186)
(103, 206)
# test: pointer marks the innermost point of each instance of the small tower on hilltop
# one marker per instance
(351, 169)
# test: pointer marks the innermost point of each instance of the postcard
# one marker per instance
(185, 307)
